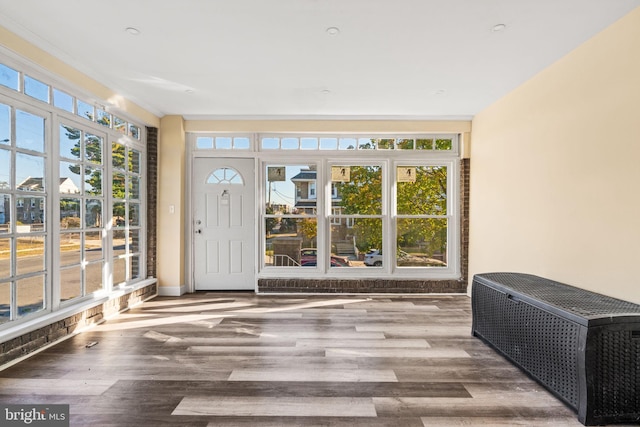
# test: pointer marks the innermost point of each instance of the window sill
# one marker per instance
(41, 321)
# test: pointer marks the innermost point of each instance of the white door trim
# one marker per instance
(189, 229)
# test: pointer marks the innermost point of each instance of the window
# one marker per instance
(62, 100)
(359, 194)
(236, 142)
(290, 219)
(81, 210)
(36, 89)
(126, 193)
(9, 77)
(23, 246)
(225, 176)
(407, 143)
(422, 215)
(96, 196)
(383, 214)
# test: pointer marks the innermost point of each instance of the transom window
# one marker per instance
(344, 142)
(446, 144)
(225, 176)
(45, 93)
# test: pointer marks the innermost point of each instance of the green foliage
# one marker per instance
(118, 152)
(426, 196)
(92, 154)
(92, 149)
(362, 195)
(308, 229)
(270, 222)
(368, 233)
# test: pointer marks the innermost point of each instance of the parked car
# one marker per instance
(311, 254)
(373, 257)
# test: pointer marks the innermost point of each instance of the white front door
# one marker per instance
(223, 222)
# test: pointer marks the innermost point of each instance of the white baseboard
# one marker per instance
(172, 291)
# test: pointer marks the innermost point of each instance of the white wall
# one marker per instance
(555, 174)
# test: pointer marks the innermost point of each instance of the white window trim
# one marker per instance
(19, 100)
(325, 158)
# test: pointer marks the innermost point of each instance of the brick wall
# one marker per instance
(465, 166)
(361, 286)
(152, 199)
(32, 341)
(389, 285)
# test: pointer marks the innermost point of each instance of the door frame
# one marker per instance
(189, 229)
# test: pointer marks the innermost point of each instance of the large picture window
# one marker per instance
(81, 201)
(357, 211)
(290, 215)
(24, 230)
(390, 210)
(422, 220)
(126, 189)
(71, 198)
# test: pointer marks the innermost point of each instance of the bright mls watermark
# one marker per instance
(34, 415)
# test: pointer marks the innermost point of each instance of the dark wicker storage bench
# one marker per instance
(582, 346)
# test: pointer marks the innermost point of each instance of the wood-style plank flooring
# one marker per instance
(241, 359)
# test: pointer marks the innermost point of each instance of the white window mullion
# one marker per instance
(388, 231)
(53, 213)
(107, 190)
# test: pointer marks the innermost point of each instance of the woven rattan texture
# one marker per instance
(568, 298)
(541, 343)
(616, 390)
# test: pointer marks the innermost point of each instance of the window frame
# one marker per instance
(391, 158)
(129, 254)
(263, 216)
(135, 135)
(452, 216)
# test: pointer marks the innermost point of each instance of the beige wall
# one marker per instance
(97, 91)
(171, 210)
(364, 126)
(554, 170)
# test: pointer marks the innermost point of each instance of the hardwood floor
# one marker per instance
(240, 359)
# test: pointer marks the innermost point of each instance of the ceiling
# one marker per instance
(279, 58)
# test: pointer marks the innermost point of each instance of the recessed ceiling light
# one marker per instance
(325, 91)
(133, 31)
(189, 91)
(498, 28)
(333, 31)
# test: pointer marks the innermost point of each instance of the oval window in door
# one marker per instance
(225, 176)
